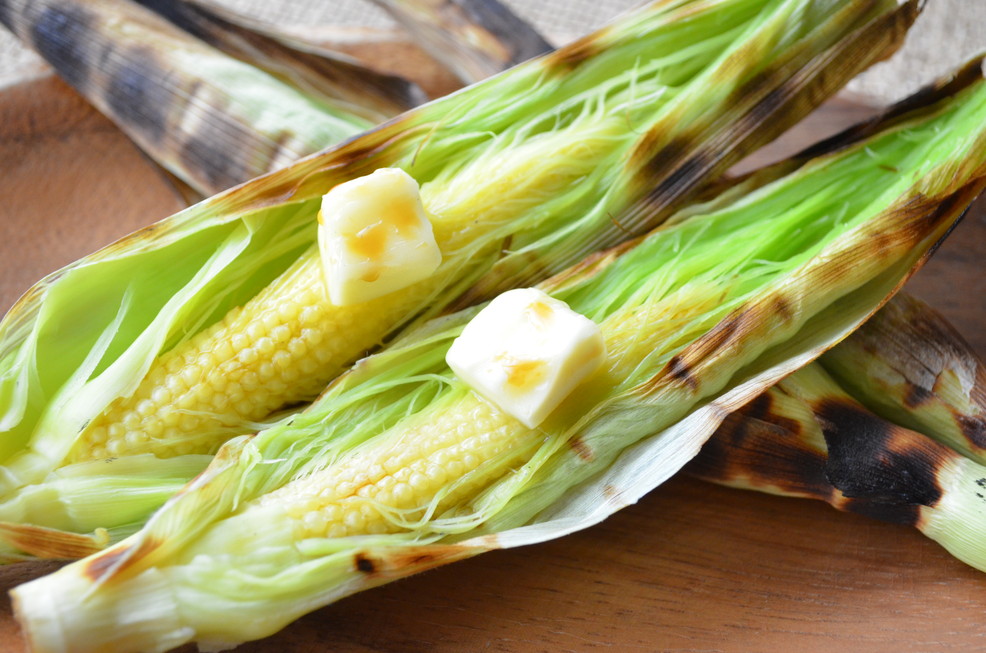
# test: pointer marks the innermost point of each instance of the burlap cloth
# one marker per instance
(949, 32)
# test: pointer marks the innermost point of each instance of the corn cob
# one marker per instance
(156, 83)
(808, 438)
(474, 38)
(564, 135)
(699, 318)
(938, 389)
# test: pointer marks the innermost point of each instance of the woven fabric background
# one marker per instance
(949, 32)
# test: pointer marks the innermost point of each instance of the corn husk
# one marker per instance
(473, 38)
(331, 78)
(148, 293)
(700, 317)
(401, 55)
(911, 367)
(204, 116)
(808, 438)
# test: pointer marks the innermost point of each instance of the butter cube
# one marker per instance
(525, 352)
(375, 237)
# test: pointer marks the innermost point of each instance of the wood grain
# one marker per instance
(692, 567)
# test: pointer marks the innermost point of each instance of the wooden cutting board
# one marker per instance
(692, 567)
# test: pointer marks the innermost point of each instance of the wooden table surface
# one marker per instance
(692, 567)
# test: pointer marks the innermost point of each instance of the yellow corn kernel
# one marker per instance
(433, 465)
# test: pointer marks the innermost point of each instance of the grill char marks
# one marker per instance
(136, 91)
(928, 370)
(62, 35)
(564, 60)
(678, 170)
(916, 395)
(883, 470)
(112, 562)
(687, 367)
(937, 91)
(760, 448)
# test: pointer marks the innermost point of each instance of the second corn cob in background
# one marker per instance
(207, 118)
(808, 438)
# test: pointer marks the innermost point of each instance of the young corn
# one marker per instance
(525, 174)
(285, 344)
(698, 317)
(432, 467)
(258, 358)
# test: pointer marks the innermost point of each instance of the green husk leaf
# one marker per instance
(700, 317)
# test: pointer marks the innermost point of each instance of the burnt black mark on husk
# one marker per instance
(679, 370)
(917, 217)
(63, 36)
(916, 395)
(364, 563)
(179, 14)
(721, 337)
(893, 513)
(692, 171)
(363, 148)
(762, 409)
(760, 447)
(217, 155)
(206, 155)
(891, 28)
(674, 169)
(728, 330)
(685, 156)
(777, 91)
(138, 93)
(974, 429)
(782, 308)
(884, 470)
